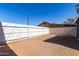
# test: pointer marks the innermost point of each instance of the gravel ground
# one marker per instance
(46, 45)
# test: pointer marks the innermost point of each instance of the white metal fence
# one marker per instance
(11, 31)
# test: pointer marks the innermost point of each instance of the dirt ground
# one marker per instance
(46, 45)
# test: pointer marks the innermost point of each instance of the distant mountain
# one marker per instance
(44, 24)
(47, 24)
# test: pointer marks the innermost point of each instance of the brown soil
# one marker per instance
(46, 45)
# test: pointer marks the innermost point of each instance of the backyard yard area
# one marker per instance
(45, 45)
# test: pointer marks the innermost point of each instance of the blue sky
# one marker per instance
(37, 12)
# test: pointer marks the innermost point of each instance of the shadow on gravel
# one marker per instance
(67, 41)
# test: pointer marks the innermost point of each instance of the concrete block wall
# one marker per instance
(64, 31)
(11, 31)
